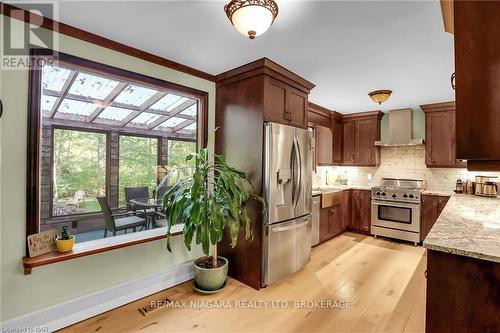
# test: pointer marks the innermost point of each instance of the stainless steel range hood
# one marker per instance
(400, 130)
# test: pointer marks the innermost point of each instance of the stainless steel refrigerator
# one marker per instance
(288, 193)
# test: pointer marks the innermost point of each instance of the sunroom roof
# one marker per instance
(71, 94)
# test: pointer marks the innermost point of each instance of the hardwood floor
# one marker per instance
(383, 280)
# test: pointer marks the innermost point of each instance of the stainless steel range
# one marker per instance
(396, 209)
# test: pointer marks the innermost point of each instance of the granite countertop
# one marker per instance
(443, 193)
(468, 226)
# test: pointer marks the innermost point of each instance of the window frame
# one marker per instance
(107, 172)
(34, 120)
(159, 140)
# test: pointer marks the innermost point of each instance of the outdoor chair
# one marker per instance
(79, 196)
(113, 224)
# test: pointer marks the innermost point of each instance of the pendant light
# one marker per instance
(251, 17)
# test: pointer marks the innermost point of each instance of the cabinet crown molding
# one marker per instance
(265, 66)
(436, 107)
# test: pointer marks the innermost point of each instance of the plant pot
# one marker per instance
(210, 279)
(65, 245)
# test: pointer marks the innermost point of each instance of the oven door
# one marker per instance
(396, 215)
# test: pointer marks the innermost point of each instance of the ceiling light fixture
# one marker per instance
(251, 17)
(380, 96)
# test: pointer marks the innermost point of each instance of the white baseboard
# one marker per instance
(67, 313)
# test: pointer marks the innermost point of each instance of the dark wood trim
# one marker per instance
(363, 115)
(480, 165)
(436, 107)
(68, 30)
(54, 257)
(33, 152)
(267, 67)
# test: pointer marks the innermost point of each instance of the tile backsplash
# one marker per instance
(399, 162)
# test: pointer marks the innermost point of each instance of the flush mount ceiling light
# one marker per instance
(380, 96)
(251, 17)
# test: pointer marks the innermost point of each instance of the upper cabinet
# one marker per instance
(345, 139)
(477, 55)
(284, 104)
(328, 127)
(360, 131)
(440, 139)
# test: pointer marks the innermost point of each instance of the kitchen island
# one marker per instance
(463, 267)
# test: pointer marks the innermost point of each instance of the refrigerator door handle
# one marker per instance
(298, 171)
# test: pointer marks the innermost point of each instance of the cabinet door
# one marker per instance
(337, 142)
(335, 220)
(346, 208)
(365, 211)
(441, 203)
(324, 224)
(440, 138)
(275, 101)
(355, 209)
(296, 107)
(428, 214)
(324, 151)
(348, 142)
(477, 94)
(364, 141)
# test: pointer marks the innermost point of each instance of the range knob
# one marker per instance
(378, 193)
(383, 194)
(405, 195)
(411, 196)
(394, 195)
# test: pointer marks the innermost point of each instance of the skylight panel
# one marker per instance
(92, 86)
(191, 111)
(166, 101)
(171, 122)
(145, 118)
(191, 127)
(71, 106)
(114, 113)
(134, 95)
(53, 78)
(177, 103)
(47, 103)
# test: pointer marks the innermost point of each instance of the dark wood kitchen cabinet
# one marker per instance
(360, 131)
(337, 140)
(440, 138)
(328, 126)
(348, 142)
(330, 222)
(247, 97)
(284, 104)
(431, 208)
(324, 145)
(477, 55)
(360, 210)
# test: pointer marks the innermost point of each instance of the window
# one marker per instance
(138, 164)
(97, 130)
(79, 171)
(177, 152)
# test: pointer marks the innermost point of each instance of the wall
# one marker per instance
(56, 283)
(402, 162)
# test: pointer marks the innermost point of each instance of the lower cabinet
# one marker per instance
(353, 212)
(432, 206)
(360, 210)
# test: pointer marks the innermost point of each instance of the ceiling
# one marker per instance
(347, 48)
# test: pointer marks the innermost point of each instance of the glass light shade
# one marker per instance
(380, 96)
(252, 20)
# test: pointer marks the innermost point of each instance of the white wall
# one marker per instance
(402, 162)
(60, 282)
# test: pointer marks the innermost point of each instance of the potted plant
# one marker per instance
(65, 241)
(207, 202)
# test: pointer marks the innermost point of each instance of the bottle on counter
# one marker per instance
(459, 186)
(469, 187)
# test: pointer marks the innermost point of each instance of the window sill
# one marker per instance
(99, 246)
